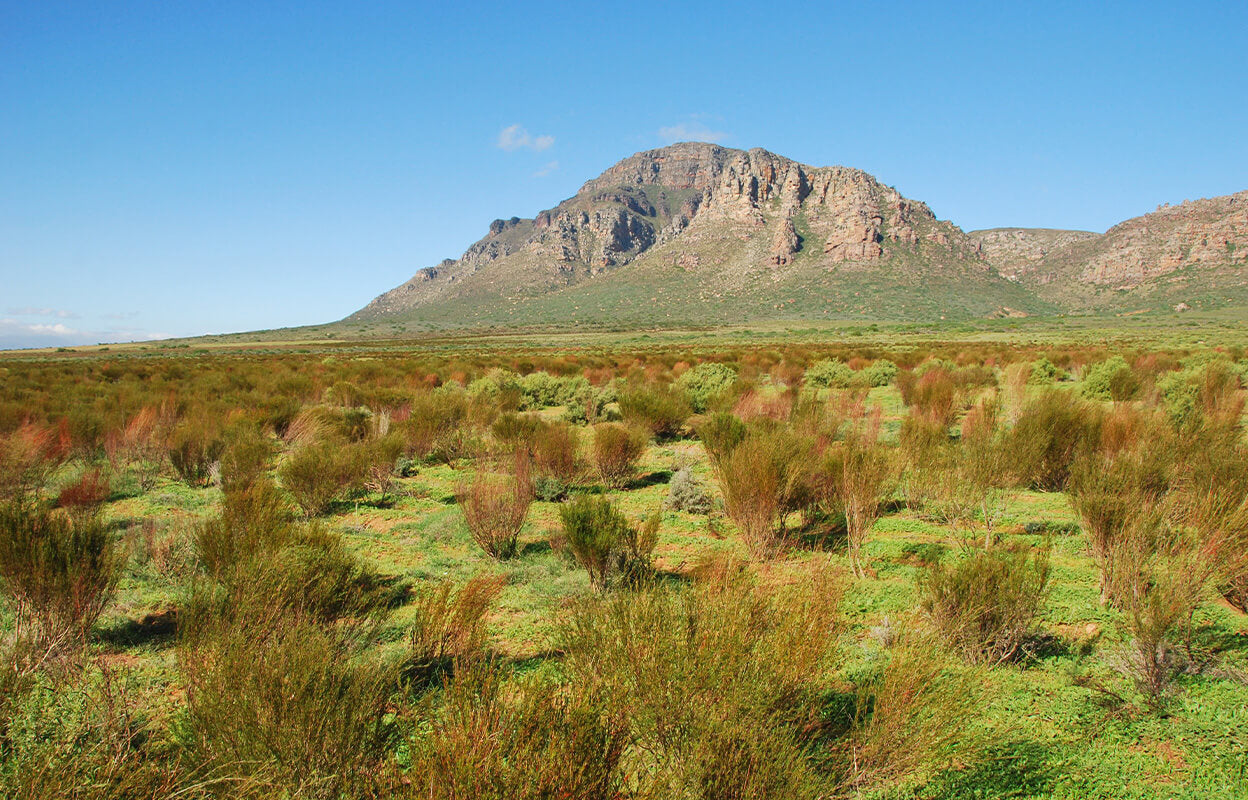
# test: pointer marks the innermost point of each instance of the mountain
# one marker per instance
(701, 234)
(698, 233)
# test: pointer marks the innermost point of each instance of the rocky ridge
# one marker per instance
(748, 233)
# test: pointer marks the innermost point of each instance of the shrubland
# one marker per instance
(788, 569)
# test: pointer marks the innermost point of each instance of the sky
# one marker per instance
(171, 169)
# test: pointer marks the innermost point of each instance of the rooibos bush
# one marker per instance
(662, 659)
(448, 624)
(615, 452)
(495, 507)
(194, 447)
(660, 409)
(290, 705)
(59, 572)
(604, 542)
(860, 474)
(764, 479)
(244, 458)
(1048, 435)
(985, 605)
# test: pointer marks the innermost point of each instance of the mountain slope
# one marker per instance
(1195, 253)
(701, 234)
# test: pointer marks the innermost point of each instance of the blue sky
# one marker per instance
(187, 168)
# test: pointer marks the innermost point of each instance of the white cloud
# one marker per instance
(515, 137)
(550, 167)
(16, 335)
(29, 311)
(691, 132)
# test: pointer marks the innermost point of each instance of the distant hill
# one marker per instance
(701, 234)
(1195, 254)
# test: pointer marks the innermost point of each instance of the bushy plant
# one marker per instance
(289, 704)
(660, 409)
(1202, 395)
(1159, 577)
(912, 697)
(58, 572)
(687, 493)
(1043, 372)
(193, 449)
(244, 458)
(930, 393)
(438, 424)
(86, 495)
(986, 605)
(497, 741)
(1049, 433)
(555, 449)
(29, 455)
(604, 542)
(514, 429)
(705, 384)
(615, 451)
(882, 372)
(829, 374)
(1112, 379)
(764, 479)
(320, 474)
(448, 624)
(495, 507)
(859, 474)
(720, 434)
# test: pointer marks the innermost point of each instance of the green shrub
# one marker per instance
(658, 408)
(882, 372)
(1159, 578)
(1112, 379)
(706, 383)
(543, 390)
(986, 605)
(1043, 372)
(831, 373)
(603, 541)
